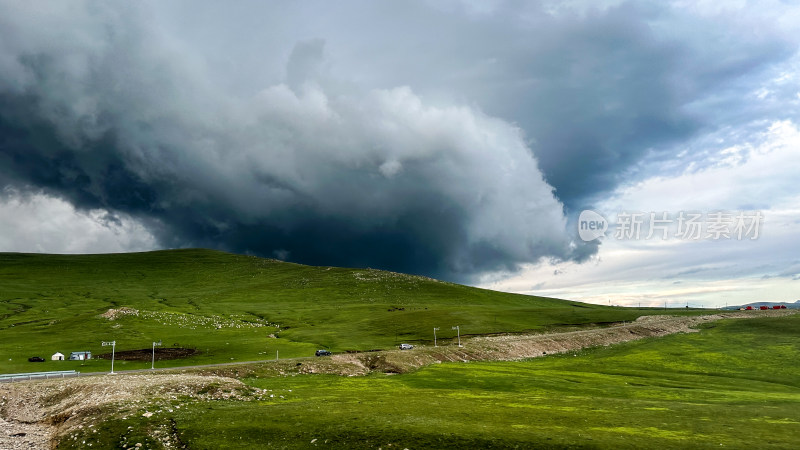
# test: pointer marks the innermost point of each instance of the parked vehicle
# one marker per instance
(406, 346)
(36, 359)
(322, 353)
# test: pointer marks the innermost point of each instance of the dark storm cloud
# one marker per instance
(625, 91)
(340, 136)
(101, 109)
(599, 87)
(602, 89)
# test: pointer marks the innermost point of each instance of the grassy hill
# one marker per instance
(734, 384)
(241, 308)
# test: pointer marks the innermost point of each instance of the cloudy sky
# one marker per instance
(454, 139)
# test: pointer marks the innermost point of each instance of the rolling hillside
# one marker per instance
(230, 307)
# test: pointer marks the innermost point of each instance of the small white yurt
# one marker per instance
(57, 356)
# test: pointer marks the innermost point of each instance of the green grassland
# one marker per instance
(735, 384)
(226, 306)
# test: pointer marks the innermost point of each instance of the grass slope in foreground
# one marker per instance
(226, 306)
(736, 384)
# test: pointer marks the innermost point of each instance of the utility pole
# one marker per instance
(458, 330)
(434, 336)
(153, 364)
(113, 345)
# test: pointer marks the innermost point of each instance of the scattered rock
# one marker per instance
(114, 314)
(34, 414)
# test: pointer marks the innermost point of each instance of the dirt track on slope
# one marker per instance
(517, 347)
(35, 414)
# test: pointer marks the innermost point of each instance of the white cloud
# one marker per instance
(704, 272)
(756, 173)
(42, 224)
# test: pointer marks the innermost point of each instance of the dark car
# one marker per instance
(322, 353)
(36, 359)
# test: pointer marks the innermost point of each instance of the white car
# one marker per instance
(406, 346)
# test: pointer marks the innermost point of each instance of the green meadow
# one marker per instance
(241, 308)
(735, 384)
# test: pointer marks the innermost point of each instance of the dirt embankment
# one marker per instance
(35, 415)
(516, 347)
(509, 347)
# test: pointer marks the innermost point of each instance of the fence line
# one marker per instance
(12, 377)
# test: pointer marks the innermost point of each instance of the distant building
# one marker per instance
(57, 356)
(80, 356)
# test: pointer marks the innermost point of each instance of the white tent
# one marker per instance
(57, 356)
